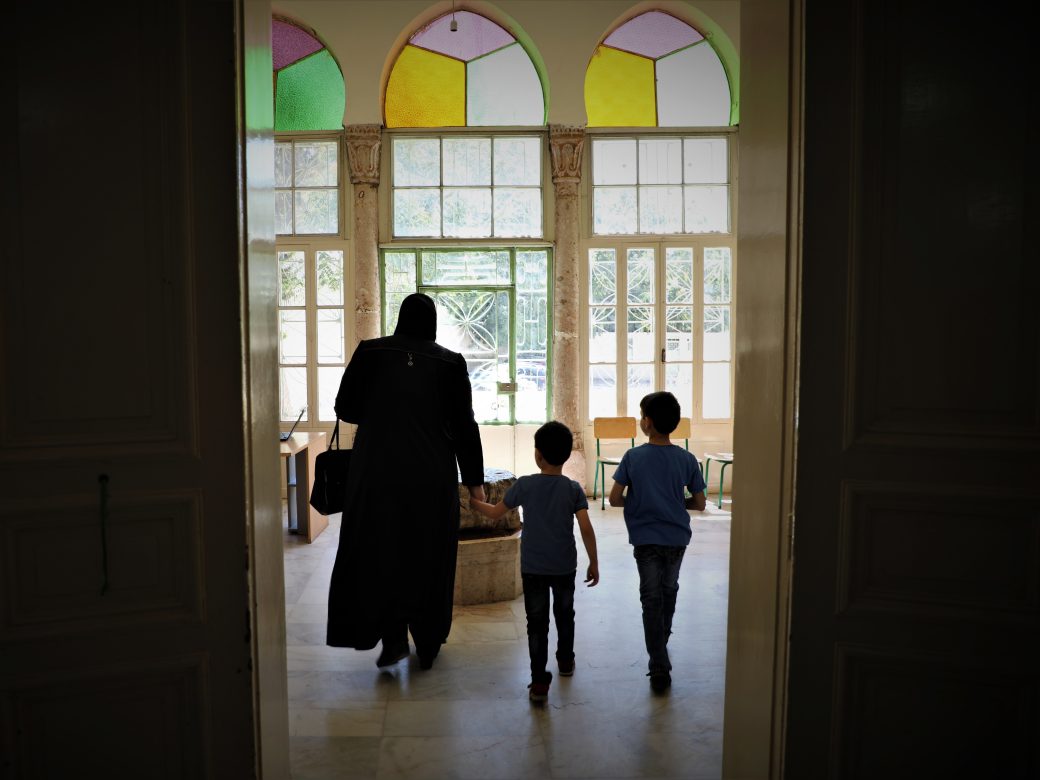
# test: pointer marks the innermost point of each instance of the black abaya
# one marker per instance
(395, 566)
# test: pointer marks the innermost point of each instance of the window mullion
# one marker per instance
(698, 330)
(621, 328)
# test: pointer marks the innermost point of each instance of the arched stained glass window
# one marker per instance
(309, 93)
(477, 75)
(657, 71)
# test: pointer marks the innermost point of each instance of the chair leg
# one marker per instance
(603, 495)
(722, 476)
(595, 481)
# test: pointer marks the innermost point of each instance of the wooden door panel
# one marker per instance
(915, 612)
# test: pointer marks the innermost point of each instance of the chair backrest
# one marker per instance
(614, 428)
(682, 431)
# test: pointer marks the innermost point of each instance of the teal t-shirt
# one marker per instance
(549, 502)
(655, 505)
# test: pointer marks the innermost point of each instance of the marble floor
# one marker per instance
(469, 717)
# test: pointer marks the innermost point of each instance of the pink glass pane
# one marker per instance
(653, 35)
(290, 43)
(475, 36)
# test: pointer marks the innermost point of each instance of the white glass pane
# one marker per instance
(716, 333)
(467, 213)
(660, 161)
(317, 163)
(330, 335)
(614, 161)
(660, 210)
(476, 266)
(716, 390)
(417, 212)
(641, 344)
(417, 162)
(292, 336)
(678, 275)
(706, 209)
(518, 161)
(718, 278)
(317, 212)
(283, 212)
(399, 272)
(614, 210)
(640, 384)
(283, 165)
(678, 380)
(518, 212)
(467, 161)
(692, 90)
(330, 276)
(292, 290)
(705, 161)
(292, 392)
(532, 270)
(329, 378)
(602, 391)
(678, 333)
(503, 88)
(602, 334)
(641, 275)
(602, 276)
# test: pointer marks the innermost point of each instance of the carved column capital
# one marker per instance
(566, 144)
(363, 142)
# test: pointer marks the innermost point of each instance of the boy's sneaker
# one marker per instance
(660, 681)
(539, 691)
(566, 667)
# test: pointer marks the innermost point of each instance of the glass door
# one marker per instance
(477, 322)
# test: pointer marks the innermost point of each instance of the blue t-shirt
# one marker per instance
(655, 506)
(549, 502)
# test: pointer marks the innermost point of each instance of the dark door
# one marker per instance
(914, 630)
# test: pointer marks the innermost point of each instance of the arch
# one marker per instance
(309, 90)
(454, 78)
(655, 69)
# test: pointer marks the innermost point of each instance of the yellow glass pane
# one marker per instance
(426, 90)
(619, 90)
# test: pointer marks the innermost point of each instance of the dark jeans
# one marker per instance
(536, 603)
(658, 586)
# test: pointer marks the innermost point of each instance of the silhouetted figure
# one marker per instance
(395, 567)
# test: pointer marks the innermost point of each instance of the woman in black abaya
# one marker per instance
(395, 567)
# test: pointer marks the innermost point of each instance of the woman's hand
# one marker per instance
(477, 492)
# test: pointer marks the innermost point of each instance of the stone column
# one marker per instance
(566, 144)
(363, 143)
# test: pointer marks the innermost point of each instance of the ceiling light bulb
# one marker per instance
(454, 26)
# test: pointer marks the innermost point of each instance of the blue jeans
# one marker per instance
(658, 586)
(536, 604)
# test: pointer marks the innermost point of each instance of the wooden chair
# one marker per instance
(682, 431)
(610, 428)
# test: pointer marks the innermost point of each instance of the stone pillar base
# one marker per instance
(488, 570)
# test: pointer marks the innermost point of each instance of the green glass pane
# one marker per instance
(310, 95)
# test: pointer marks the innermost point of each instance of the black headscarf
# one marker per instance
(417, 318)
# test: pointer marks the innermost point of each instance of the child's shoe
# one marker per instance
(539, 691)
(566, 667)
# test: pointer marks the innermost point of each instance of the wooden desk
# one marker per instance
(299, 453)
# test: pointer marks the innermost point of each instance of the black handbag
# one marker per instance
(330, 477)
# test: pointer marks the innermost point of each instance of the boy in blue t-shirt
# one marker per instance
(656, 513)
(548, 555)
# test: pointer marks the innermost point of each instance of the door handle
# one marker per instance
(663, 359)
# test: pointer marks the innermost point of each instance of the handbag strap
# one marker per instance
(335, 436)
